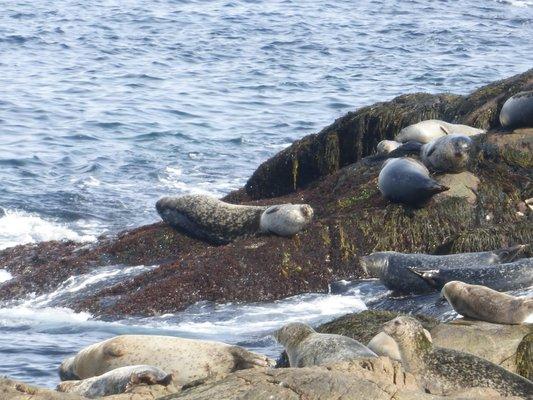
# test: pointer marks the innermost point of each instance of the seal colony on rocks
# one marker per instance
(186, 359)
(426, 131)
(449, 153)
(116, 381)
(484, 304)
(208, 218)
(407, 181)
(305, 347)
(517, 111)
(444, 371)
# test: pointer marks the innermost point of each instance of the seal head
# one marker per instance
(286, 219)
(449, 153)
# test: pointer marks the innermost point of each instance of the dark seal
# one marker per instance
(517, 111)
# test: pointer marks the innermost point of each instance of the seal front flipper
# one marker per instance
(427, 276)
(510, 254)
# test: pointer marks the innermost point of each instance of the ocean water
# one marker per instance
(107, 105)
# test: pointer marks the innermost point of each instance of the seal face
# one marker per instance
(286, 219)
(306, 348)
(449, 153)
(426, 131)
(444, 371)
(517, 111)
(485, 304)
(407, 181)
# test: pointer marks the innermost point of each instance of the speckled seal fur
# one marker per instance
(484, 304)
(517, 111)
(426, 131)
(449, 153)
(444, 371)
(211, 219)
(306, 348)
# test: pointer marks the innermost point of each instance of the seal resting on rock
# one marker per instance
(116, 381)
(186, 359)
(383, 345)
(407, 181)
(485, 304)
(392, 268)
(444, 371)
(449, 153)
(517, 111)
(386, 146)
(426, 131)
(208, 218)
(305, 347)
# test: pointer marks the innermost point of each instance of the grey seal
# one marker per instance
(449, 153)
(386, 146)
(116, 381)
(392, 268)
(484, 304)
(407, 181)
(445, 371)
(517, 111)
(305, 347)
(383, 345)
(208, 218)
(426, 131)
(501, 277)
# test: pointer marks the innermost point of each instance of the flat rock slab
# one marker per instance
(463, 185)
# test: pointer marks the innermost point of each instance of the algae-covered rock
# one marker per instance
(524, 357)
(14, 390)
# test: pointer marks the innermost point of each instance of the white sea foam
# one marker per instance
(5, 276)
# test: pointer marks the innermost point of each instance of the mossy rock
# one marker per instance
(524, 357)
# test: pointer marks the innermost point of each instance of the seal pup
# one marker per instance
(186, 359)
(426, 131)
(484, 304)
(206, 217)
(449, 153)
(407, 181)
(116, 381)
(383, 345)
(517, 111)
(445, 371)
(386, 146)
(392, 268)
(502, 277)
(305, 347)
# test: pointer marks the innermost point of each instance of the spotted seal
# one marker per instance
(444, 371)
(305, 347)
(407, 181)
(208, 218)
(449, 153)
(116, 381)
(426, 131)
(186, 359)
(485, 304)
(392, 268)
(383, 345)
(517, 111)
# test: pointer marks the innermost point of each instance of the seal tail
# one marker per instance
(510, 254)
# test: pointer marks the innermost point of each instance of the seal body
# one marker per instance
(443, 371)
(485, 304)
(116, 381)
(383, 345)
(211, 219)
(386, 146)
(449, 153)
(517, 111)
(407, 181)
(393, 268)
(186, 359)
(306, 348)
(426, 131)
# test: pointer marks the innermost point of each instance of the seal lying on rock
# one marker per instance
(426, 131)
(444, 371)
(392, 268)
(407, 181)
(503, 277)
(305, 347)
(386, 146)
(383, 345)
(186, 359)
(485, 304)
(517, 111)
(116, 381)
(208, 218)
(449, 153)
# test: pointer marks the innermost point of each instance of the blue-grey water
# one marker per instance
(107, 105)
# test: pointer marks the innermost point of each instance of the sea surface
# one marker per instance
(107, 105)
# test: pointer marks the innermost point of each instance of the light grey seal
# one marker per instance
(449, 153)
(392, 268)
(501, 277)
(444, 371)
(116, 381)
(383, 345)
(407, 181)
(485, 304)
(305, 347)
(426, 131)
(208, 218)
(386, 146)
(517, 111)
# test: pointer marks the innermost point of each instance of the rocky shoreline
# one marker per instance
(336, 173)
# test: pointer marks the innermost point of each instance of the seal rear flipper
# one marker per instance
(427, 276)
(408, 148)
(510, 254)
